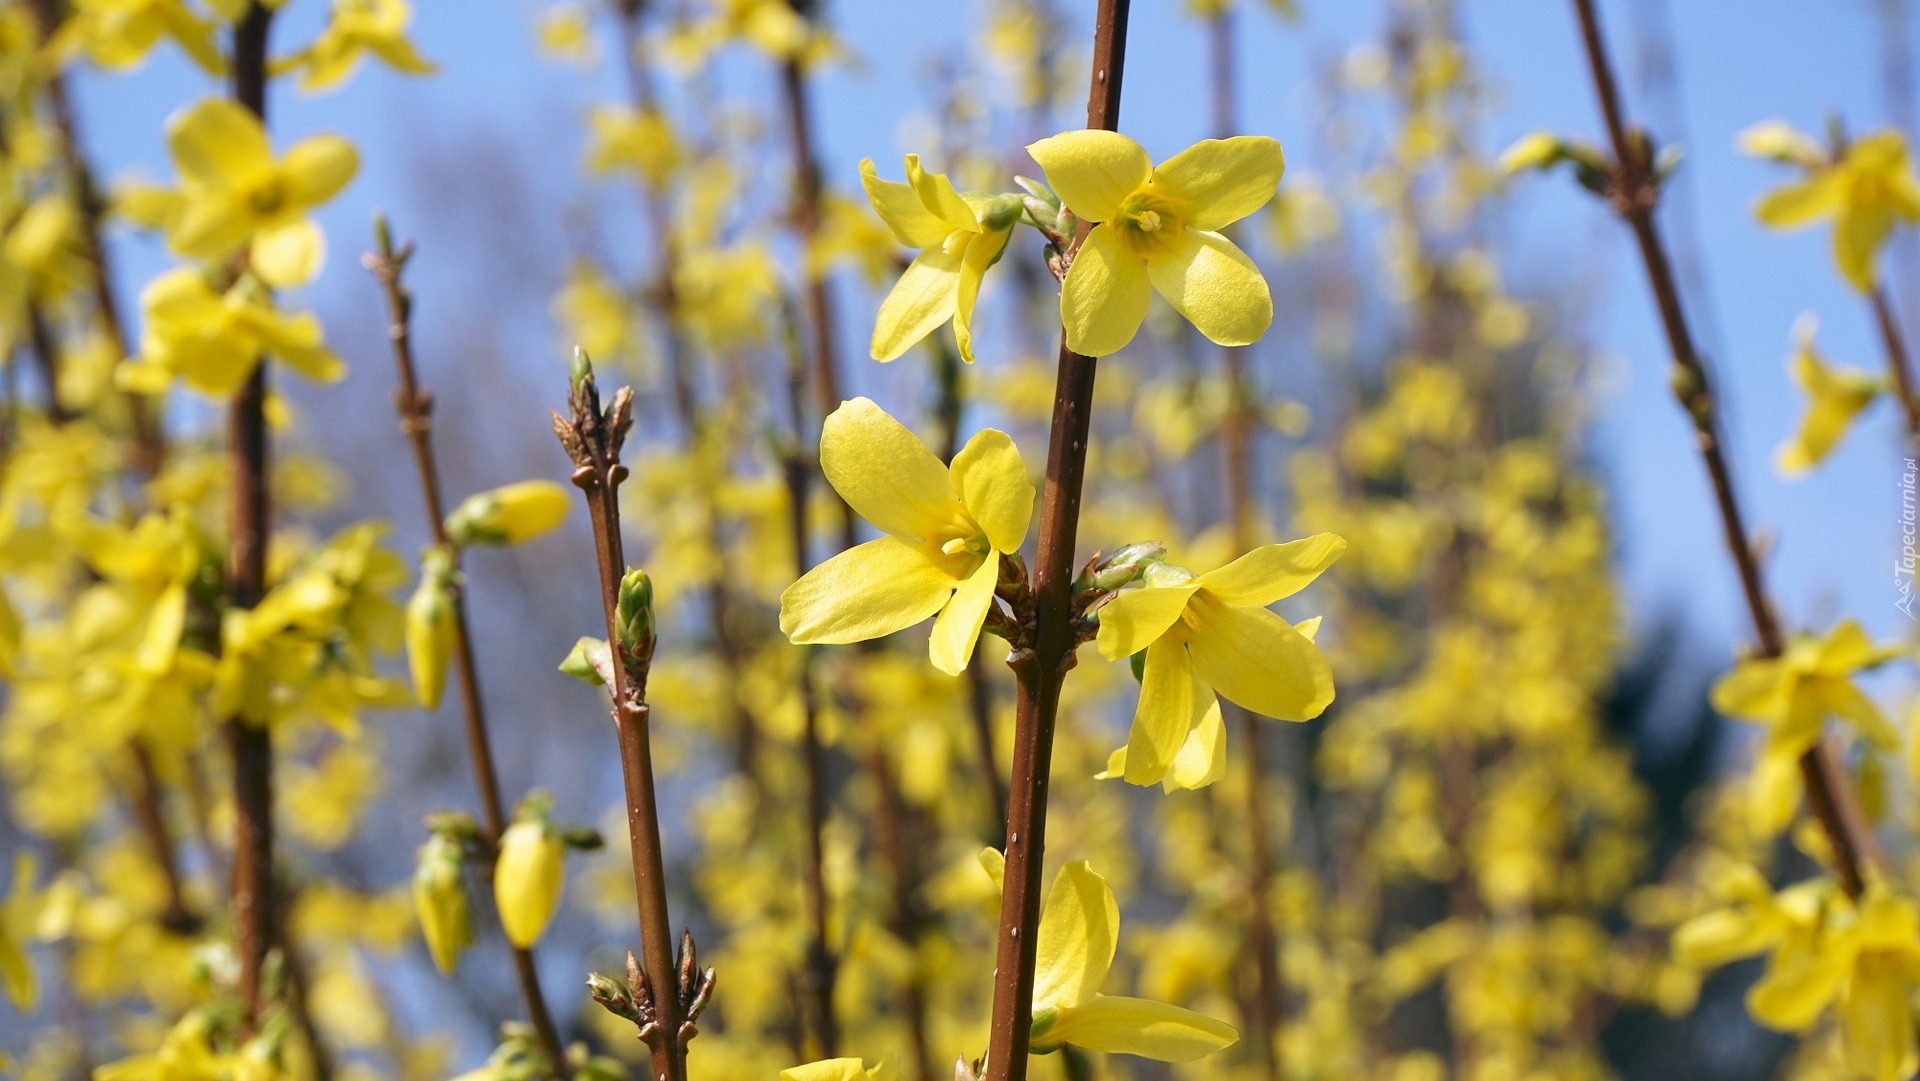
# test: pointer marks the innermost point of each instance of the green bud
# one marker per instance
(582, 368)
(1038, 191)
(1127, 564)
(611, 994)
(635, 614)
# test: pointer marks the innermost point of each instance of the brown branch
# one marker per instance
(1042, 669)
(415, 406)
(1635, 194)
(1899, 362)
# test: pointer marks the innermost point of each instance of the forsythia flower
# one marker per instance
(640, 140)
(431, 634)
(212, 341)
(1793, 695)
(440, 899)
(842, 1069)
(1863, 957)
(510, 514)
(1160, 228)
(960, 237)
(1867, 191)
(1079, 931)
(527, 879)
(235, 194)
(566, 32)
(946, 531)
(358, 26)
(16, 969)
(1213, 633)
(1834, 397)
(118, 34)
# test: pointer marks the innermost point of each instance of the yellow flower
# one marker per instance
(440, 899)
(212, 341)
(1079, 930)
(1160, 227)
(510, 514)
(358, 26)
(566, 32)
(1213, 633)
(1867, 191)
(16, 920)
(117, 34)
(1834, 397)
(842, 1069)
(527, 879)
(1793, 695)
(960, 236)
(431, 634)
(641, 141)
(236, 195)
(946, 531)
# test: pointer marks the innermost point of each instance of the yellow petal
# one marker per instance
(289, 253)
(1273, 571)
(1755, 690)
(1712, 939)
(218, 144)
(1801, 204)
(527, 881)
(1879, 1023)
(1164, 715)
(1219, 181)
(991, 482)
(937, 195)
(902, 211)
(867, 591)
(958, 628)
(208, 224)
(1256, 660)
(923, 298)
(1104, 298)
(1799, 983)
(317, 168)
(1079, 928)
(833, 1069)
(981, 254)
(1203, 757)
(1132, 620)
(16, 974)
(1212, 282)
(1093, 172)
(885, 473)
(1858, 235)
(1136, 1026)
(1845, 702)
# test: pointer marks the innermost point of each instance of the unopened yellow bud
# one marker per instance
(430, 627)
(1539, 150)
(512, 514)
(441, 902)
(527, 880)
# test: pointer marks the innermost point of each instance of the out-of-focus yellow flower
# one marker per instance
(356, 28)
(1793, 695)
(236, 195)
(212, 341)
(566, 32)
(1159, 228)
(440, 899)
(842, 1069)
(946, 531)
(1302, 215)
(959, 237)
(1868, 190)
(431, 633)
(594, 314)
(1213, 633)
(528, 876)
(640, 141)
(771, 26)
(1079, 930)
(16, 919)
(510, 514)
(118, 34)
(1835, 395)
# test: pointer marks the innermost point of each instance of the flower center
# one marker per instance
(1148, 222)
(268, 197)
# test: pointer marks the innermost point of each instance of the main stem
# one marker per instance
(1053, 642)
(248, 743)
(1899, 362)
(415, 406)
(1829, 793)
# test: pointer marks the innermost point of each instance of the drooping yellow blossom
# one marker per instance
(960, 236)
(440, 899)
(510, 514)
(1793, 695)
(528, 877)
(842, 1069)
(1213, 633)
(211, 341)
(1160, 228)
(771, 26)
(431, 632)
(16, 915)
(1867, 190)
(236, 195)
(189, 1053)
(1079, 931)
(946, 531)
(1835, 395)
(1827, 950)
(357, 27)
(566, 32)
(632, 140)
(118, 34)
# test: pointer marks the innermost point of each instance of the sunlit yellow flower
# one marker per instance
(1079, 930)
(356, 28)
(440, 899)
(528, 877)
(510, 514)
(842, 1069)
(960, 236)
(566, 32)
(117, 34)
(946, 531)
(1160, 228)
(212, 341)
(1213, 633)
(1867, 191)
(638, 141)
(1835, 395)
(236, 195)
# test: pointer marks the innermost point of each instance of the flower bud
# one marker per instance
(512, 514)
(611, 994)
(581, 370)
(430, 627)
(635, 614)
(589, 660)
(1540, 150)
(1125, 565)
(527, 879)
(440, 899)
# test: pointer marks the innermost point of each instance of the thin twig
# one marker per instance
(1899, 363)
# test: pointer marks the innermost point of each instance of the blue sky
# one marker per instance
(1836, 533)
